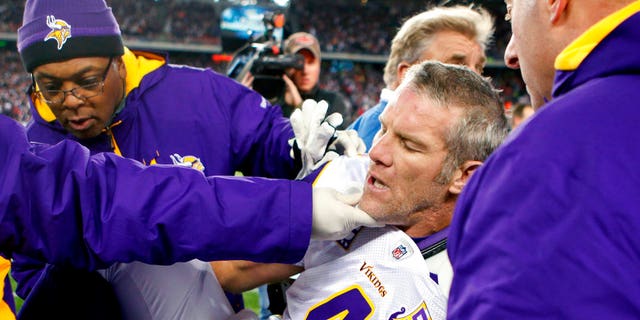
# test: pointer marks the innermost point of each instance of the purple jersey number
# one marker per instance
(350, 304)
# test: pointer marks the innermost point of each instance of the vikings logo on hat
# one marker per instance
(60, 30)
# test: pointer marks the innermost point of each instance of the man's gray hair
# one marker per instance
(482, 126)
(415, 35)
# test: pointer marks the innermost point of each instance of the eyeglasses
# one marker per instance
(82, 92)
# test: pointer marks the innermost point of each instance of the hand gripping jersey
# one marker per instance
(376, 273)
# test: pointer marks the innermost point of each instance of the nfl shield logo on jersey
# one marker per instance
(399, 251)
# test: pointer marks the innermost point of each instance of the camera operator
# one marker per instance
(302, 84)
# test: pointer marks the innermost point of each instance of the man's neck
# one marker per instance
(429, 222)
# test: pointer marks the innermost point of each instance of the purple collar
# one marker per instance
(428, 241)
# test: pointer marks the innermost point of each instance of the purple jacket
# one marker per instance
(63, 206)
(548, 227)
(193, 117)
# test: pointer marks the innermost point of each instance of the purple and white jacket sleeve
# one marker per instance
(61, 205)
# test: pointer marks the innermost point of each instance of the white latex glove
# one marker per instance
(317, 138)
(334, 214)
(348, 142)
(313, 133)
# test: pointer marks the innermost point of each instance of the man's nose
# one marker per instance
(511, 55)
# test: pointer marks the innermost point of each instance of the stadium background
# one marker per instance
(355, 37)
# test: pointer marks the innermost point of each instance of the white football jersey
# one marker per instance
(440, 267)
(376, 273)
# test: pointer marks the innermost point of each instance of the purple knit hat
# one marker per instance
(58, 30)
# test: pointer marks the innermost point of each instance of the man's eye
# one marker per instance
(408, 147)
(50, 87)
(88, 82)
(91, 86)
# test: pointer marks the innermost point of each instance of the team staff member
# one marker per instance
(567, 246)
(53, 207)
(88, 87)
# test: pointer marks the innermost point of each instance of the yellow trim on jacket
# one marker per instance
(573, 55)
(5, 310)
(138, 65)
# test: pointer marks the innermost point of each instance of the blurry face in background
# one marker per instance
(308, 77)
(517, 120)
(455, 48)
(406, 158)
(84, 118)
(530, 47)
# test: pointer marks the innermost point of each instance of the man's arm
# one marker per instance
(60, 205)
(239, 276)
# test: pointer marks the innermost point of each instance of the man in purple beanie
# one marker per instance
(88, 87)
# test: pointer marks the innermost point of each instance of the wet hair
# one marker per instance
(481, 127)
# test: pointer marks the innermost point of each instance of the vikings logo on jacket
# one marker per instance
(187, 161)
(60, 30)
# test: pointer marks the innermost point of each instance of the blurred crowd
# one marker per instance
(333, 22)
(174, 21)
(335, 25)
(370, 30)
(11, 15)
(14, 82)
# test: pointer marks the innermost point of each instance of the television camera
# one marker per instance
(265, 59)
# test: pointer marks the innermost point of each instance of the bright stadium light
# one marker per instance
(281, 3)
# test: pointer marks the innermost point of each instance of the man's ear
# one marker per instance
(462, 175)
(122, 70)
(556, 9)
(402, 69)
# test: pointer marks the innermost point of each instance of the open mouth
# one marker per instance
(80, 124)
(377, 184)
